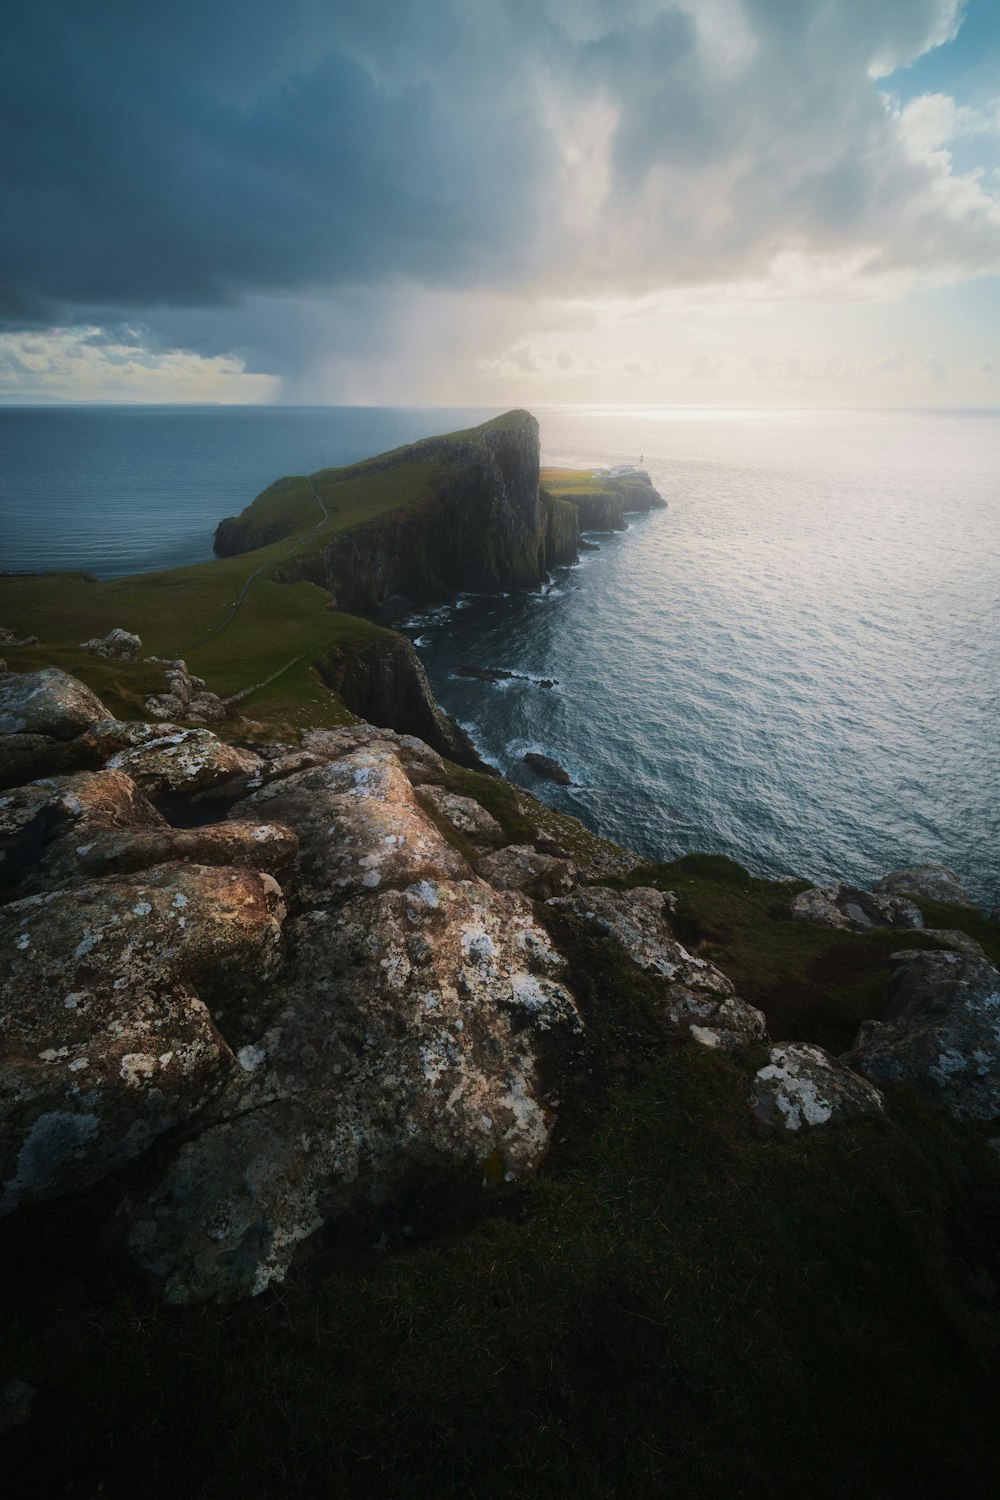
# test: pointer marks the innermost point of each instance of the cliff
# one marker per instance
(602, 501)
(463, 511)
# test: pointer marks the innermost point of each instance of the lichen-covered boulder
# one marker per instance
(519, 867)
(49, 703)
(854, 910)
(64, 829)
(107, 1036)
(697, 996)
(359, 826)
(927, 883)
(408, 1041)
(802, 1085)
(111, 736)
(468, 819)
(117, 645)
(185, 697)
(940, 1031)
(188, 763)
(422, 765)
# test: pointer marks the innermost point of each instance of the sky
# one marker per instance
(501, 202)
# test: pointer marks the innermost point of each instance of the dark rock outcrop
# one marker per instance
(547, 768)
(927, 883)
(117, 645)
(854, 910)
(940, 1031)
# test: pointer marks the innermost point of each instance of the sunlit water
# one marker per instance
(796, 664)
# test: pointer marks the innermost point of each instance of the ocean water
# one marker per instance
(796, 664)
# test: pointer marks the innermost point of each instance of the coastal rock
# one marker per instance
(423, 766)
(466, 817)
(940, 1031)
(360, 827)
(60, 830)
(49, 703)
(696, 996)
(961, 942)
(185, 698)
(519, 867)
(110, 736)
(105, 1016)
(547, 768)
(802, 1085)
(408, 1042)
(927, 883)
(187, 763)
(117, 645)
(853, 910)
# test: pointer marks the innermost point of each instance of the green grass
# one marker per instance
(813, 983)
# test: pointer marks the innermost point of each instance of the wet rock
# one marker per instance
(697, 996)
(359, 826)
(501, 674)
(940, 1031)
(422, 765)
(117, 645)
(408, 1042)
(547, 768)
(107, 1034)
(927, 883)
(803, 1086)
(519, 867)
(185, 764)
(48, 703)
(854, 910)
(465, 816)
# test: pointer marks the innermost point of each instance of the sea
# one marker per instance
(796, 664)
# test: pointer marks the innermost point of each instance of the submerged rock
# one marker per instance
(803, 1085)
(939, 1030)
(547, 768)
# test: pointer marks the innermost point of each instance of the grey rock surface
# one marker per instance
(186, 763)
(697, 996)
(940, 1031)
(520, 867)
(927, 882)
(117, 645)
(854, 910)
(49, 703)
(803, 1086)
(466, 817)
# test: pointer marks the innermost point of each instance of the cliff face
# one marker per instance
(605, 509)
(483, 525)
(385, 683)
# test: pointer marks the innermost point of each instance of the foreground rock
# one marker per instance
(408, 1041)
(463, 816)
(359, 825)
(926, 883)
(519, 867)
(49, 703)
(854, 910)
(802, 1085)
(107, 1033)
(188, 763)
(940, 1031)
(696, 996)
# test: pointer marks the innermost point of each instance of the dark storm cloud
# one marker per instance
(255, 178)
(189, 154)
